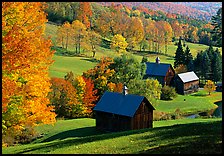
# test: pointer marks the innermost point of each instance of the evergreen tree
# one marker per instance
(190, 65)
(206, 66)
(217, 67)
(217, 31)
(198, 63)
(210, 52)
(188, 56)
(179, 55)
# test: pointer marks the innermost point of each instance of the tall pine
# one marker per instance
(217, 31)
(206, 66)
(188, 59)
(179, 55)
(217, 66)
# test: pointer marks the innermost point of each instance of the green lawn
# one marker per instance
(195, 102)
(64, 64)
(79, 136)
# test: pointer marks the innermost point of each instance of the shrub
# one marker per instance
(168, 93)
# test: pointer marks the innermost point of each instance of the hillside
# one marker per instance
(79, 136)
(204, 10)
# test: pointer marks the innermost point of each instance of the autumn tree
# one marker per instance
(119, 43)
(26, 57)
(84, 13)
(209, 86)
(78, 34)
(89, 97)
(101, 75)
(66, 32)
(93, 39)
(64, 98)
(181, 68)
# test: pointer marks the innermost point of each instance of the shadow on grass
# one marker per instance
(90, 59)
(192, 138)
(80, 132)
(83, 137)
(199, 94)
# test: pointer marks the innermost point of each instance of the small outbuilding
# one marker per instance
(120, 112)
(186, 83)
(163, 72)
(219, 87)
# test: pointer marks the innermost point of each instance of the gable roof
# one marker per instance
(188, 76)
(117, 103)
(157, 69)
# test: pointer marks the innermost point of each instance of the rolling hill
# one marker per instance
(199, 10)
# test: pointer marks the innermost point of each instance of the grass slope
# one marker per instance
(64, 64)
(195, 102)
(79, 136)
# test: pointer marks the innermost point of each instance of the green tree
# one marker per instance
(150, 88)
(206, 66)
(188, 59)
(168, 93)
(126, 67)
(179, 57)
(198, 63)
(217, 31)
(217, 67)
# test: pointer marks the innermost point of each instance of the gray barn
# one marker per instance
(186, 83)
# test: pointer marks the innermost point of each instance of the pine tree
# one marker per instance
(217, 67)
(198, 63)
(206, 66)
(217, 31)
(179, 55)
(189, 59)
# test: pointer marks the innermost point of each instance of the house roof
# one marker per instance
(117, 103)
(188, 76)
(157, 69)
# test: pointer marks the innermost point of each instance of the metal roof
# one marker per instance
(117, 103)
(157, 69)
(188, 76)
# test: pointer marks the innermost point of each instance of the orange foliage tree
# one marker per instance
(85, 13)
(26, 57)
(101, 75)
(64, 98)
(89, 97)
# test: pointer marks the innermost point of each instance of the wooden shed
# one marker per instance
(163, 72)
(120, 112)
(186, 83)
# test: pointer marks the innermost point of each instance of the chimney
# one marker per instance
(125, 90)
(157, 60)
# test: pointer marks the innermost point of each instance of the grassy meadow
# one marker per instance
(79, 136)
(193, 103)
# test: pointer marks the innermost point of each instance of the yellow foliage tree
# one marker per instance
(119, 43)
(209, 86)
(26, 57)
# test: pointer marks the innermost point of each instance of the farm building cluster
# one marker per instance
(123, 111)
